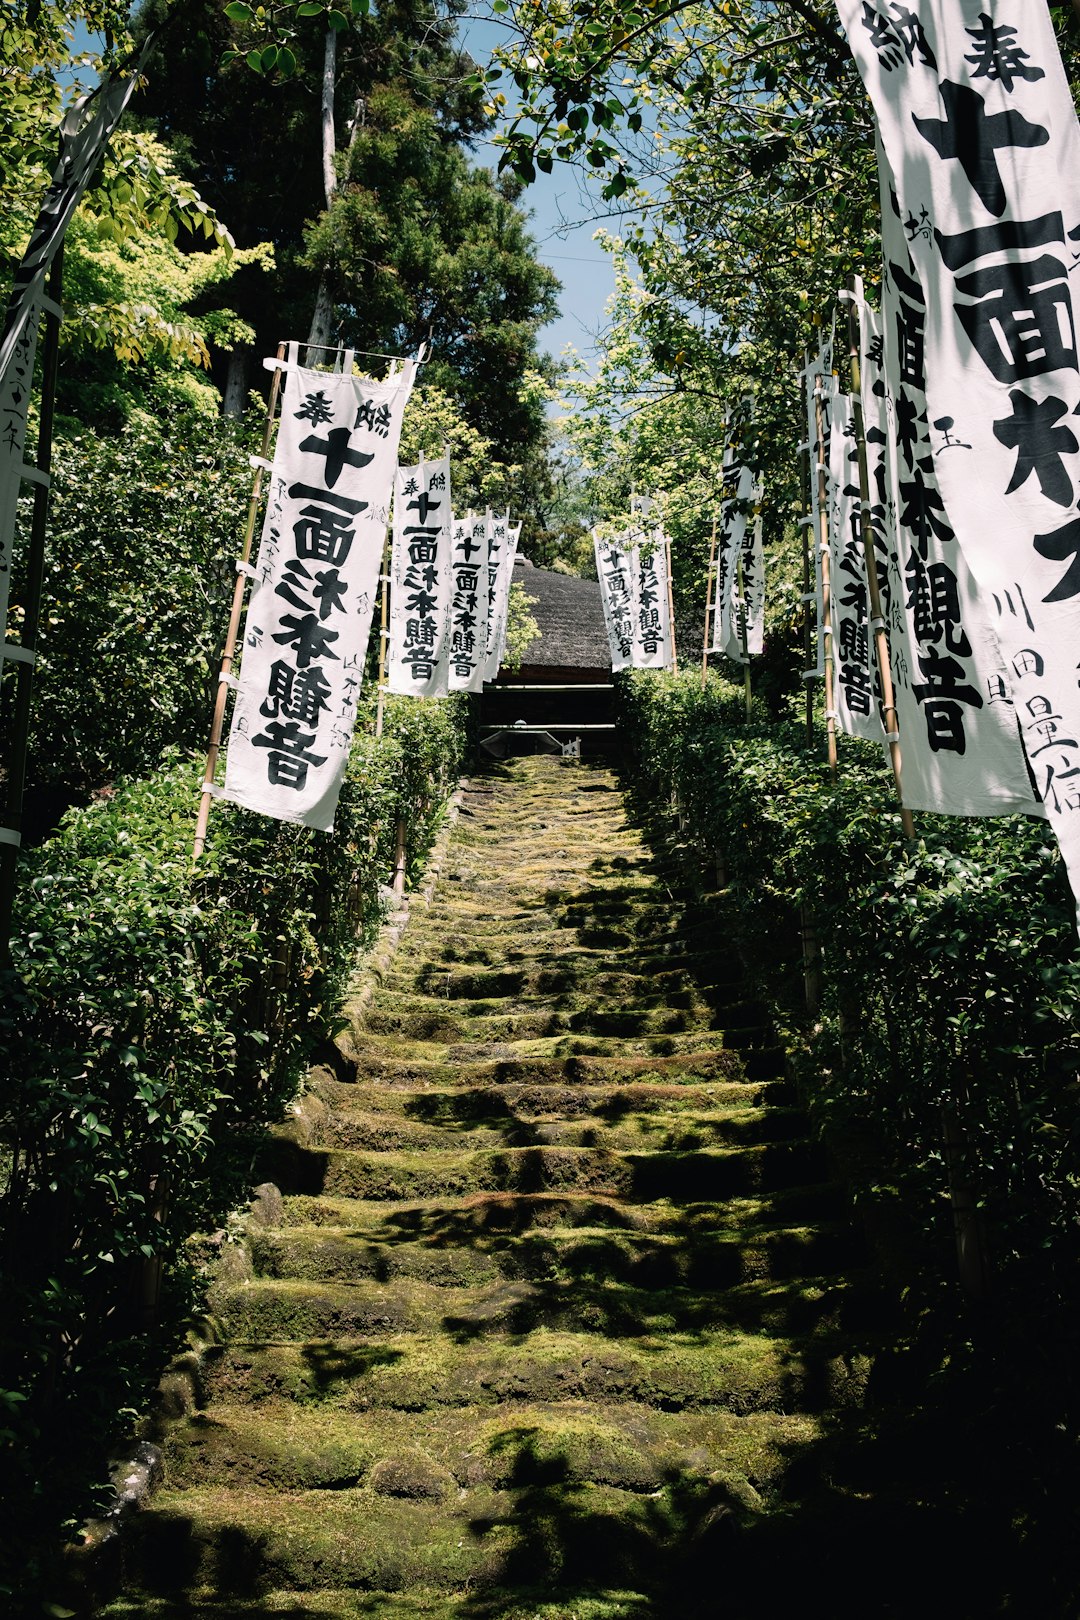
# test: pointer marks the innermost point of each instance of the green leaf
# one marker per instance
(239, 12)
(337, 20)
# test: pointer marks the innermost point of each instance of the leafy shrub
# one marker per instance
(156, 1021)
(143, 532)
(951, 976)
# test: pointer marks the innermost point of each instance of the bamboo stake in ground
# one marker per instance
(670, 605)
(384, 623)
(744, 640)
(826, 580)
(225, 678)
(710, 607)
(11, 828)
(877, 622)
(806, 523)
(384, 634)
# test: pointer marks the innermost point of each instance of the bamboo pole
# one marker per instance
(809, 673)
(670, 605)
(826, 581)
(384, 624)
(217, 725)
(744, 641)
(24, 665)
(710, 608)
(877, 622)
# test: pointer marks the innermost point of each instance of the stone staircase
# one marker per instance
(557, 1303)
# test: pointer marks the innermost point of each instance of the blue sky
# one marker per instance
(565, 215)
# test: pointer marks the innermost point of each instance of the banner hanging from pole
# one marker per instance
(653, 631)
(614, 569)
(316, 576)
(858, 696)
(735, 513)
(421, 581)
(468, 603)
(500, 610)
(817, 387)
(962, 749)
(750, 596)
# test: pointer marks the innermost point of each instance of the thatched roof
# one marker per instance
(570, 614)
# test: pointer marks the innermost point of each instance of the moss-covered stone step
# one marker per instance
(364, 1046)
(623, 1130)
(725, 1370)
(455, 1222)
(592, 976)
(466, 1106)
(635, 1448)
(708, 1260)
(275, 1310)
(389, 1066)
(543, 1525)
(706, 1173)
(589, 1602)
(436, 1019)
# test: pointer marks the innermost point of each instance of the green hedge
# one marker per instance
(155, 1023)
(950, 973)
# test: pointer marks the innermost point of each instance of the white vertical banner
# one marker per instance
(614, 570)
(961, 747)
(653, 637)
(468, 603)
(498, 534)
(856, 683)
(501, 607)
(735, 512)
(85, 133)
(750, 597)
(817, 382)
(420, 577)
(978, 125)
(316, 576)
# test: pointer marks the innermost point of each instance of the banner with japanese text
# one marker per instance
(420, 578)
(498, 534)
(468, 602)
(654, 641)
(817, 386)
(750, 590)
(735, 513)
(499, 609)
(614, 570)
(856, 684)
(962, 753)
(316, 578)
(978, 126)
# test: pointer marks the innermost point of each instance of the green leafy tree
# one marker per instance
(381, 227)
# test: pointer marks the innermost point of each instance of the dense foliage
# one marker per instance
(950, 984)
(156, 1022)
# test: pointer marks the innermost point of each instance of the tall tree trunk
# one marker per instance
(324, 303)
(236, 381)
